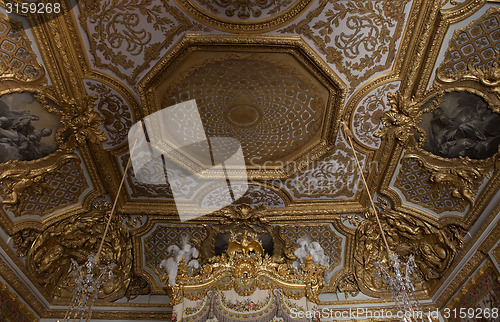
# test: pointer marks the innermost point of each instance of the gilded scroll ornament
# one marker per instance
(78, 118)
(22, 241)
(402, 120)
(117, 116)
(15, 180)
(123, 34)
(465, 179)
(434, 247)
(75, 238)
(349, 286)
(244, 272)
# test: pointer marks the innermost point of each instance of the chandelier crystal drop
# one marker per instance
(399, 277)
(89, 278)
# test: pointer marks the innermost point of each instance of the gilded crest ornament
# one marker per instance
(244, 268)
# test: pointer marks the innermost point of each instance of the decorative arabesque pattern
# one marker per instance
(321, 233)
(367, 119)
(248, 10)
(17, 59)
(414, 183)
(57, 189)
(157, 242)
(257, 195)
(114, 110)
(285, 108)
(125, 36)
(330, 177)
(358, 36)
(476, 43)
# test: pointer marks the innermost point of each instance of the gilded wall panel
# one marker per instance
(482, 294)
(414, 182)
(358, 37)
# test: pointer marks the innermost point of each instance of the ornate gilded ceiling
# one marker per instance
(416, 81)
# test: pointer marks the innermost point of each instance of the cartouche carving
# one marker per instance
(76, 237)
(434, 247)
(465, 179)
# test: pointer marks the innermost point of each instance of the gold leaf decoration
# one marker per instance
(405, 115)
(434, 247)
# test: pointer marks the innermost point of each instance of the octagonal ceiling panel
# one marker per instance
(276, 102)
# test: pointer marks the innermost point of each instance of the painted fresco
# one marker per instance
(462, 126)
(27, 131)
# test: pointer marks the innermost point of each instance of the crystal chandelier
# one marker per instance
(397, 275)
(91, 276)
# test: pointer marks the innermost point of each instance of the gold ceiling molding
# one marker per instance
(244, 272)
(18, 60)
(239, 16)
(76, 237)
(11, 308)
(357, 54)
(433, 40)
(286, 55)
(433, 246)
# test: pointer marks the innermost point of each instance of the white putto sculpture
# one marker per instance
(188, 252)
(307, 247)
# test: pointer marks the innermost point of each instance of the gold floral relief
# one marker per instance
(358, 36)
(366, 119)
(116, 114)
(17, 58)
(126, 36)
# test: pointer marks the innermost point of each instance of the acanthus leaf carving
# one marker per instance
(433, 247)
(404, 117)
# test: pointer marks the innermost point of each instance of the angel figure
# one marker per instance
(186, 251)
